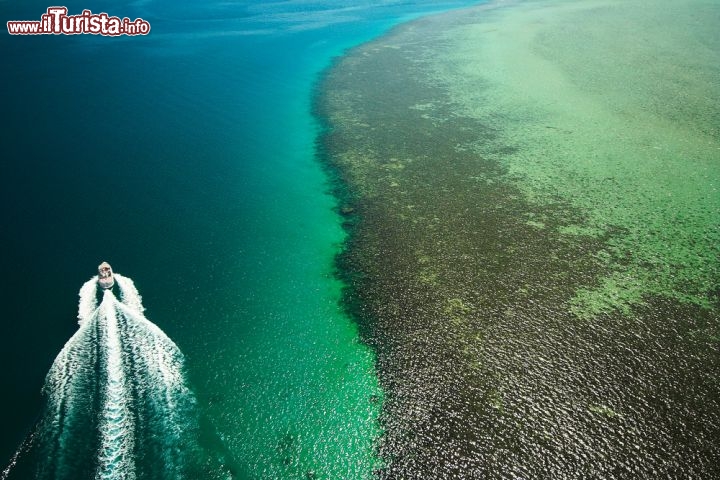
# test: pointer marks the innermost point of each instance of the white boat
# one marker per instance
(105, 276)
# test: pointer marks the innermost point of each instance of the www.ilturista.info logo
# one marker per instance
(57, 22)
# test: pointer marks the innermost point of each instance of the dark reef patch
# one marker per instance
(462, 287)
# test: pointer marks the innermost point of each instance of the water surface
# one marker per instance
(186, 160)
(534, 255)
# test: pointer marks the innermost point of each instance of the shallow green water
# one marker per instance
(186, 159)
(536, 189)
(610, 105)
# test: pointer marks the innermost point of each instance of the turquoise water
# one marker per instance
(118, 402)
(186, 160)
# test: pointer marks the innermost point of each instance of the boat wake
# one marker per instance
(118, 406)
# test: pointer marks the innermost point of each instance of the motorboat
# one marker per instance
(105, 276)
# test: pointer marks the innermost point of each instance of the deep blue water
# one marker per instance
(186, 159)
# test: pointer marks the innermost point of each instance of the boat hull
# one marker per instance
(105, 276)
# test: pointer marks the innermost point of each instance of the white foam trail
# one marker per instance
(116, 388)
(66, 384)
(164, 383)
(88, 300)
(116, 421)
(24, 447)
(129, 294)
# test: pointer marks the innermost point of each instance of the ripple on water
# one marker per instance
(467, 286)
